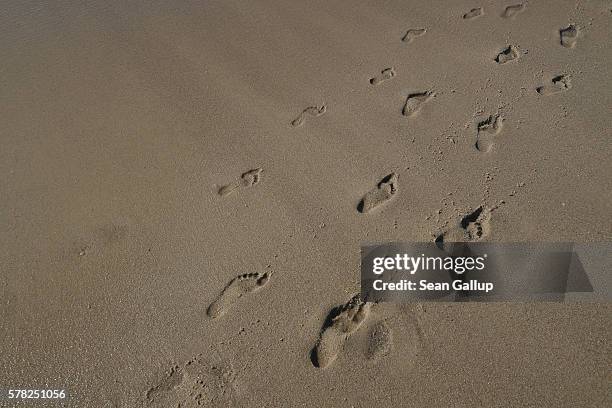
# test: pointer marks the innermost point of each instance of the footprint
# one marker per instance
(414, 102)
(247, 179)
(512, 11)
(474, 226)
(560, 83)
(340, 324)
(385, 75)
(569, 35)
(486, 131)
(413, 33)
(379, 341)
(239, 286)
(383, 192)
(197, 383)
(312, 111)
(473, 13)
(510, 53)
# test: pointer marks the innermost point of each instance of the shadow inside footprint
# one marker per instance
(379, 195)
(510, 53)
(247, 179)
(569, 36)
(313, 111)
(385, 75)
(560, 83)
(473, 13)
(413, 33)
(415, 101)
(486, 131)
(340, 323)
(473, 226)
(512, 11)
(235, 289)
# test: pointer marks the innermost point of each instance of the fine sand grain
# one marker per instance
(185, 186)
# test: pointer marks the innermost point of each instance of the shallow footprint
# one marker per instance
(247, 179)
(473, 13)
(413, 33)
(313, 111)
(385, 75)
(414, 102)
(512, 11)
(560, 83)
(510, 53)
(569, 35)
(198, 383)
(239, 286)
(340, 324)
(379, 341)
(486, 131)
(383, 192)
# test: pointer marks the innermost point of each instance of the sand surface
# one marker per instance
(183, 198)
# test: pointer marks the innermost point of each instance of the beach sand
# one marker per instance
(186, 185)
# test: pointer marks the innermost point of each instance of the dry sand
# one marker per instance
(181, 181)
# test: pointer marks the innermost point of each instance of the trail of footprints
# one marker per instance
(184, 388)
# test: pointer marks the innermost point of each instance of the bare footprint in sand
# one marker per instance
(569, 35)
(197, 383)
(510, 53)
(415, 102)
(558, 84)
(339, 325)
(313, 111)
(383, 192)
(512, 11)
(238, 287)
(379, 341)
(385, 75)
(413, 33)
(247, 179)
(472, 227)
(486, 131)
(473, 13)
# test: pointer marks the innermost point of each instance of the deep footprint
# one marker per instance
(415, 102)
(239, 286)
(385, 75)
(313, 111)
(247, 179)
(413, 33)
(569, 35)
(340, 324)
(379, 341)
(512, 11)
(486, 132)
(510, 53)
(473, 13)
(560, 83)
(383, 192)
